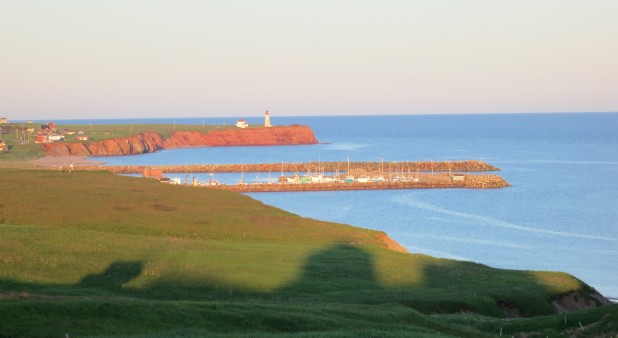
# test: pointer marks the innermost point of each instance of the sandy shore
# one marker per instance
(49, 161)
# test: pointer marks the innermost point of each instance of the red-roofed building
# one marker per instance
(242, 124)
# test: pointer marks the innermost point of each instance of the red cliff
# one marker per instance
(148, 142)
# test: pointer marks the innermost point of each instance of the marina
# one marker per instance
(352, 179)
(322, 176)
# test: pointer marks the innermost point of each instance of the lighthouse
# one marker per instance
(267, 120)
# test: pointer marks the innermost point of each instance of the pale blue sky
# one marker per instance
(113, 59)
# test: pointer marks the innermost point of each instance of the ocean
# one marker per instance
(560, 214)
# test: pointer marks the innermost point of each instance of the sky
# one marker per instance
(149, 58)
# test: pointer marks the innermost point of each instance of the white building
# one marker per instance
(242, 124)
(56, 137)
(267, 120)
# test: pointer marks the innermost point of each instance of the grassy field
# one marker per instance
(94, 254)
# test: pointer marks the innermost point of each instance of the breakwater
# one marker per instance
(310, 167)
(423, 181)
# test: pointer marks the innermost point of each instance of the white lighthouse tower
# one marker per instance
(267, 120)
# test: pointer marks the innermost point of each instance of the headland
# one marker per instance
(150, 141)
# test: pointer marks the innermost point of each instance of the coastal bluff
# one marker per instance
(148, 142)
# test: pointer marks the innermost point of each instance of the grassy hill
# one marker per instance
(91, 253)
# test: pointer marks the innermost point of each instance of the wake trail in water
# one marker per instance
(501, 244)
(346, 146)
(435, 253)
(557, 162)
(411, 202)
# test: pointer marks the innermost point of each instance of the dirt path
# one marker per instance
(64, 161)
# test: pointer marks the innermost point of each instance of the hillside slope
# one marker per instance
(92, 253)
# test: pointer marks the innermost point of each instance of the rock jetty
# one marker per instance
(422, 181)
(368, 167)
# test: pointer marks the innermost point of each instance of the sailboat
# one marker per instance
(380, 177)
(242, 177)
(212, 180)
(348, 177)
(282, 177)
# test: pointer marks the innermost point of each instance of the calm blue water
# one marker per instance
(560, 214)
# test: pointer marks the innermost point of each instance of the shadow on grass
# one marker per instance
(115, 276)
(340, 274)
(338, 290)
(337, 269)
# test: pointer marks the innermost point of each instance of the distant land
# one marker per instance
(23, 142)
(147, 142)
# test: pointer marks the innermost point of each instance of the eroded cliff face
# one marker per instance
(148, 142)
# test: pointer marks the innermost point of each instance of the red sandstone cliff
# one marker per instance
(148, 142)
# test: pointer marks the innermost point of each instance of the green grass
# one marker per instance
(90, 253)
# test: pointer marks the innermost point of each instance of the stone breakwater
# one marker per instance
(425, 181)
(362, 167)
(148, 142)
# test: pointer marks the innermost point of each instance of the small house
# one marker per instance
(157, 174)
(55, 137)
(153, 173)
(41, 139)
(82, 138)
(458, 178)
(4, 120)
(242, 124)
(48, 128)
